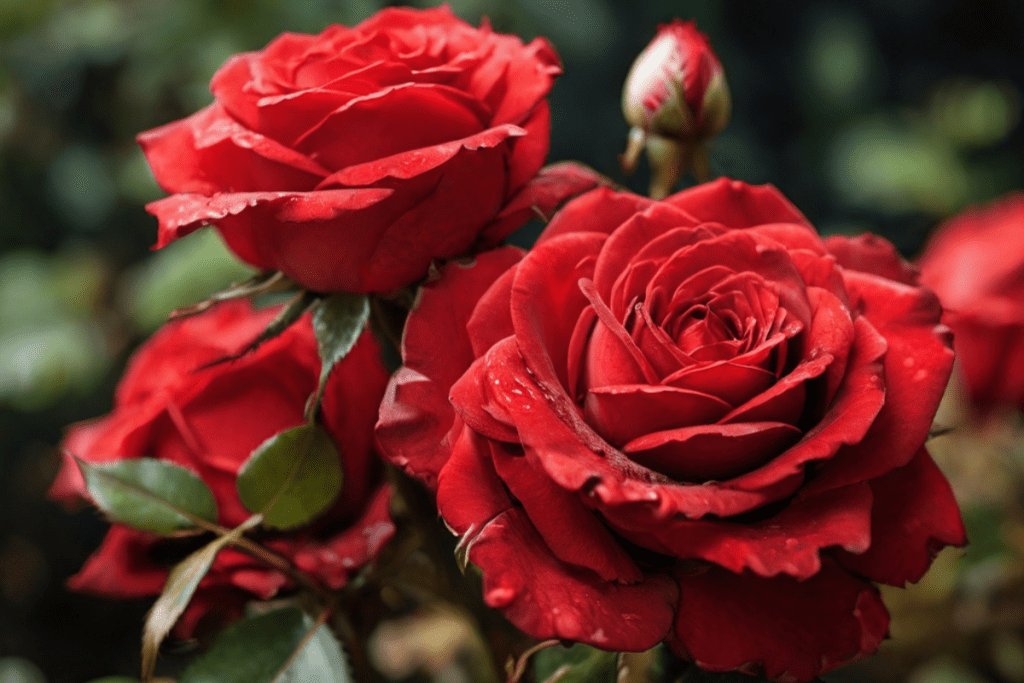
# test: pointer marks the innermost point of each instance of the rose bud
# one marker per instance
(173, 405)
(692, 421)
(351, 159)
(975, 262)
(676, 99)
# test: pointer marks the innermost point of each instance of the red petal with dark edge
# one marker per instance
(713, 451)
(735, 384)
(529, 152)
(210, 152)
(335, 560)
(789, 630)
(914, 515)
(528, 79)
(640, 230)
(623, 413)
(549, 599)
(789, 542)
(849, 417)
(872, 254)
(549, 189)
(917, 368)
(546, 300)
(469, 492)
(558, 440)
(415, 415)
(412, 163)
(600, 210)
(120, 567)
(737, 205)
(397, 119)
(572, 531)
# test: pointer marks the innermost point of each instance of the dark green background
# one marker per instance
(881, 115)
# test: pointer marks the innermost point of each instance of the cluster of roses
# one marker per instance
(689, 420)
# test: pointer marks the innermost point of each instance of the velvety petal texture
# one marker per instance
(177, 403)
(351, 159)
(975, 264)
(695, 407)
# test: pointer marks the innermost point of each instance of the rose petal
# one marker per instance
(528, 79)
(549, 189)
(789, 542)
(638, 231)
(335, 560)
(713, 451)
(549, 599)
(529, 152)
(546, 300)
(471, 396)
(636, 273)
(871, 254)
(182, 214)
(557, 439)
(623, 413)
(571, 531)
(469, 493)
(121, 567)
(848, 419)
(917, 368)
(789, 630)
(397, 119)
(415, 415)
(350, 404)
(600, 210)
(210, 152)
(733, 383)
(737, 205)
(416, 162)
(914, 515)
(491, 320)
(415, 418)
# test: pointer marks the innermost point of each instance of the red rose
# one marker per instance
(690, 420)
(350, 159)
(975, 263)
(209, 421)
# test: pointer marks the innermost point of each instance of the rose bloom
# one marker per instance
(351, 159)
(209, 420)
(975, 263)
(691, 421)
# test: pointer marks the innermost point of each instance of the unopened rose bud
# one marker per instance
(676, 99)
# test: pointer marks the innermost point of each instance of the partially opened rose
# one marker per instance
(351, 159)
(975, 263)
(691, 421)
(208, 420)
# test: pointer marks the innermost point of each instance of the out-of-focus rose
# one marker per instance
(691, 420)
(209, 421)
(975, 263)
(675, 98)
(350, 159)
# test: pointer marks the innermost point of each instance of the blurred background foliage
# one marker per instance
(871, 115)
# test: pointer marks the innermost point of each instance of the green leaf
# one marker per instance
(180, 587)
(149, 494)
(337, 322)
(251, 651)
(291, 477)
(115, 679)
(321, 661)
(578, 664)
